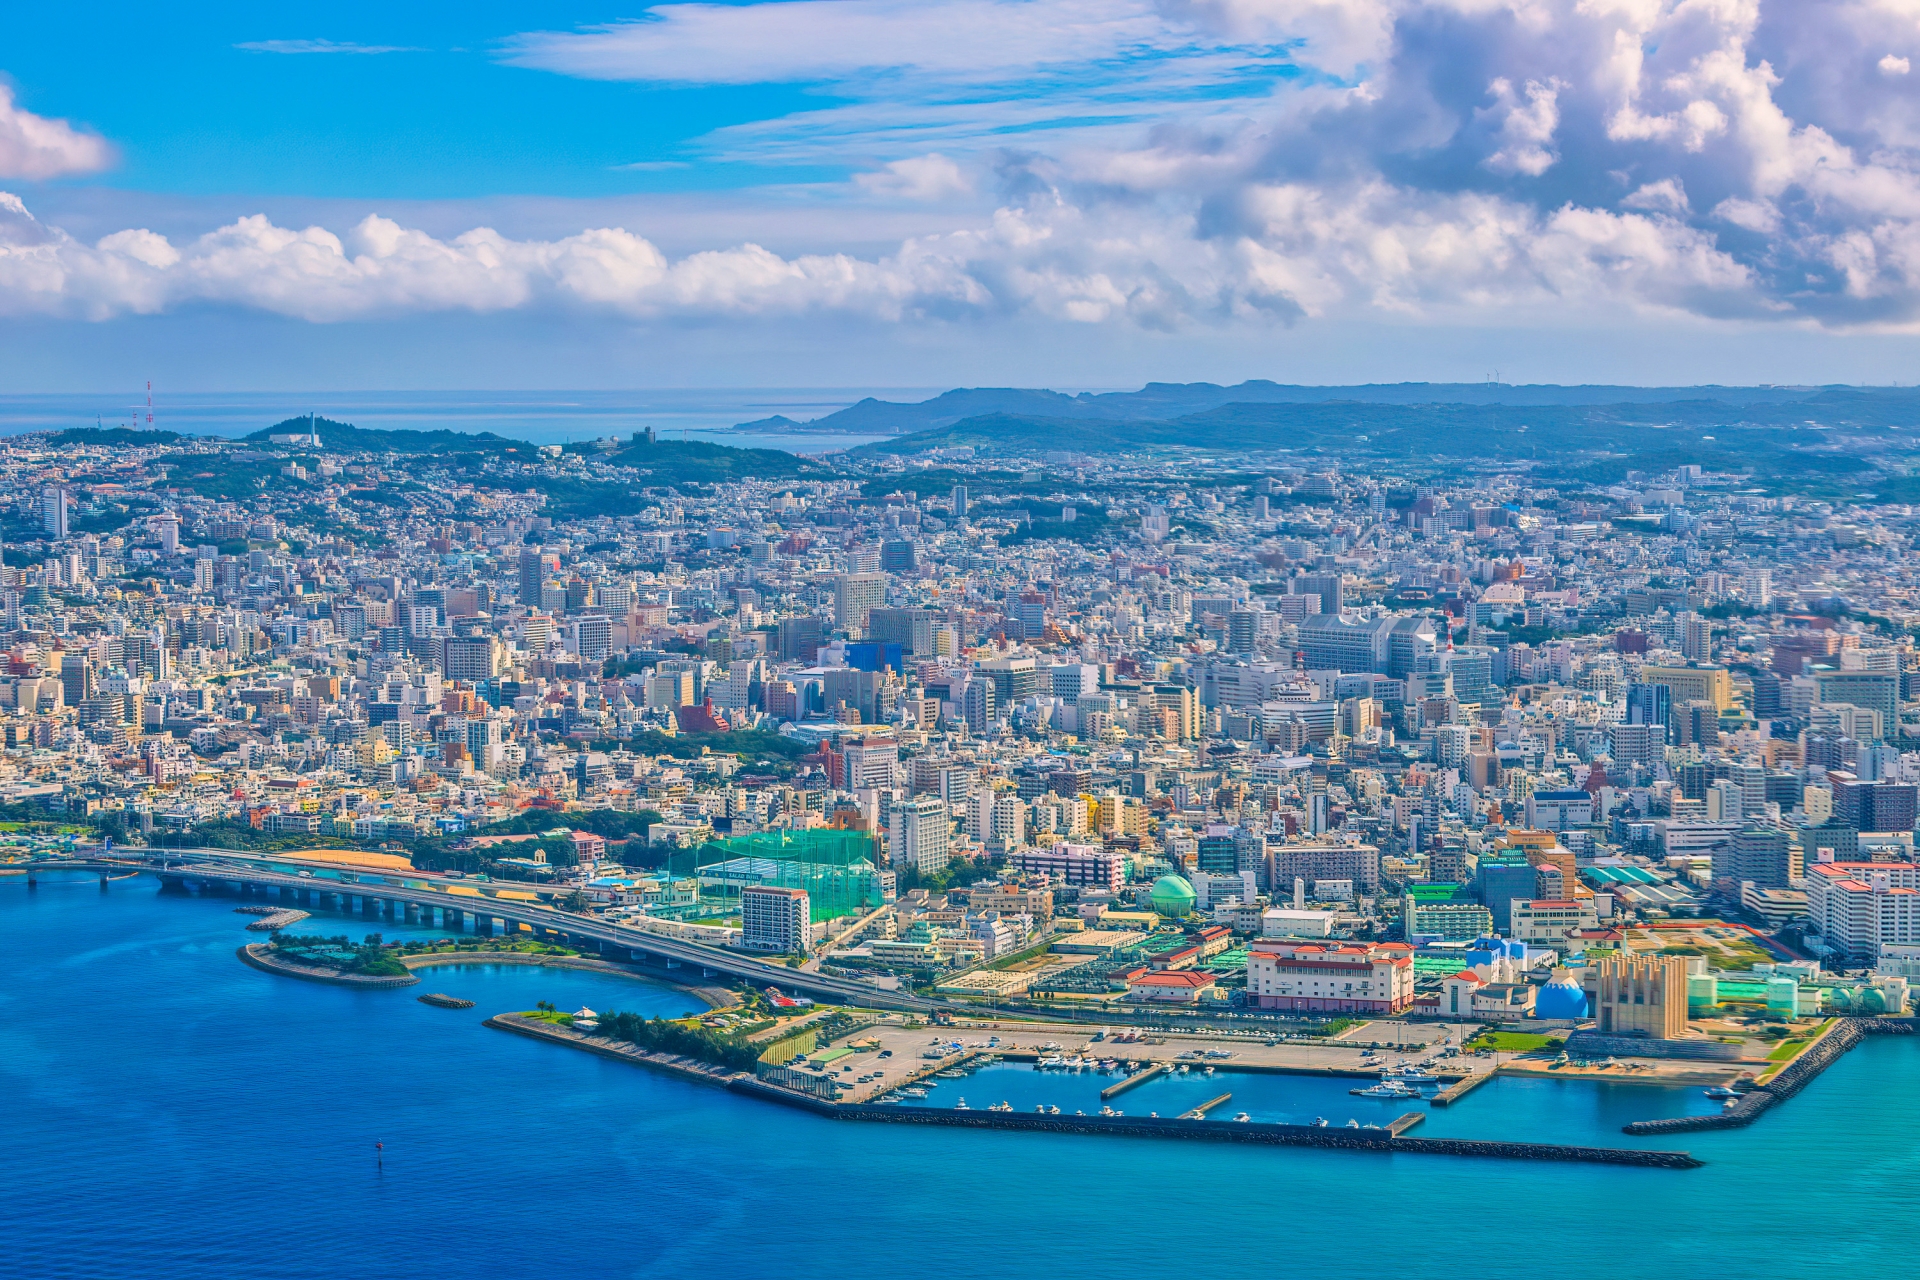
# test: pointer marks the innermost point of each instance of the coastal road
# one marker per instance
(217, 865)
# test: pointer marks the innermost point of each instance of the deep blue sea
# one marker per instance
(172, 1113)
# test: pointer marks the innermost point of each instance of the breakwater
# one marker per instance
(1374, 1141)
(260, 957)
(1786, 1082)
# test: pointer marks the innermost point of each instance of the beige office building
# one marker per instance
(1639, 995)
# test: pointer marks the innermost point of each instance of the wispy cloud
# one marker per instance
(910, 74)
(36, 147)
(323, 46)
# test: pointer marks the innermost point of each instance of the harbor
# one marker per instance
(913, 1093)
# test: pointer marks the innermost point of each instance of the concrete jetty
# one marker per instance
(1462, 1087)
(1135, 1080)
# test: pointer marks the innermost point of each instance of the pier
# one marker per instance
(1135, 1080)
(1200, 1112)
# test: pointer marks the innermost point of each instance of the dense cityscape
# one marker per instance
(1060, 730)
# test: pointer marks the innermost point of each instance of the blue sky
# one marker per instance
(1063, 192)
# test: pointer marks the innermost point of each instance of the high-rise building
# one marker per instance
(1327, 586)
(55, 505)
(855, 596)
(775, 918)
(911, 629)
(958, 499)
(798, 639)
(76, 678)
(921, 836)
(535, 566)
(1875, 690)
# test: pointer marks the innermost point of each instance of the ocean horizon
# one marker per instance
(540, 417)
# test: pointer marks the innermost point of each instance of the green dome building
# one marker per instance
(1172, 897)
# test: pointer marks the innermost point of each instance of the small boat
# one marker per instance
(1040, 1109)
(962, 1105)
(915, 1092)
(1319, 1122)
(1207, 1071)
(1108, 1111)
(1373, 1126)
(1001, 1106)
(1385, 1089)
(1353, 1124)
(1721, 1091)
(1242, 1118)
(1408, 1073)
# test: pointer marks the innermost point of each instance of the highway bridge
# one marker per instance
(409, 897)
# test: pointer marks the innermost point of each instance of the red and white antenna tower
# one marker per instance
(149, 404)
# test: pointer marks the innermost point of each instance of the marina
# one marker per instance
(460, 1158)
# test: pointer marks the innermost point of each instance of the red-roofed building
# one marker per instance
(1861, 906)
(1170, 986)
(1330, 977)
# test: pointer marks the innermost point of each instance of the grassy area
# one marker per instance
(1335, 1027)
(553, 1016)
(1513, 1041)
(1786, 1051)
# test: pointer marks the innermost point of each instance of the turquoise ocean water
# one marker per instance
(172, 1113)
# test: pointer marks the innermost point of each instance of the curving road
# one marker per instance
(219, 865)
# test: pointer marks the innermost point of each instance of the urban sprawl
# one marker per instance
(1261, 737)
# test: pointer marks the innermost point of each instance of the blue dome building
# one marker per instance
(1561, 999)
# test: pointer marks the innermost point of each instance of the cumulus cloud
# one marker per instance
(1432, 158)
(928, 177)
(34, 147)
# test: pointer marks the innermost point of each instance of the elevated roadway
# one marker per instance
(391, 892)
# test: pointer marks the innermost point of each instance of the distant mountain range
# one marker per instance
(1160, 401)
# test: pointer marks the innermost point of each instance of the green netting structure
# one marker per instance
(836, 868)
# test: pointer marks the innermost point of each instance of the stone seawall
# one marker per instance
(1374, 1141)
(1365, 1141)
(259, 957)
(1587, 1044)
(1788, 1081)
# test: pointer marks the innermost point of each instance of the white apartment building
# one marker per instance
(1860, 907)
(1549, 921)
(1311, 977)
(921, 838)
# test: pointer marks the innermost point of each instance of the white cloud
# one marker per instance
(322, 46)
(928, 177)
(1434, 158)
(35, 148)
(1894, 66)
(908, 76)
(1526, 128)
